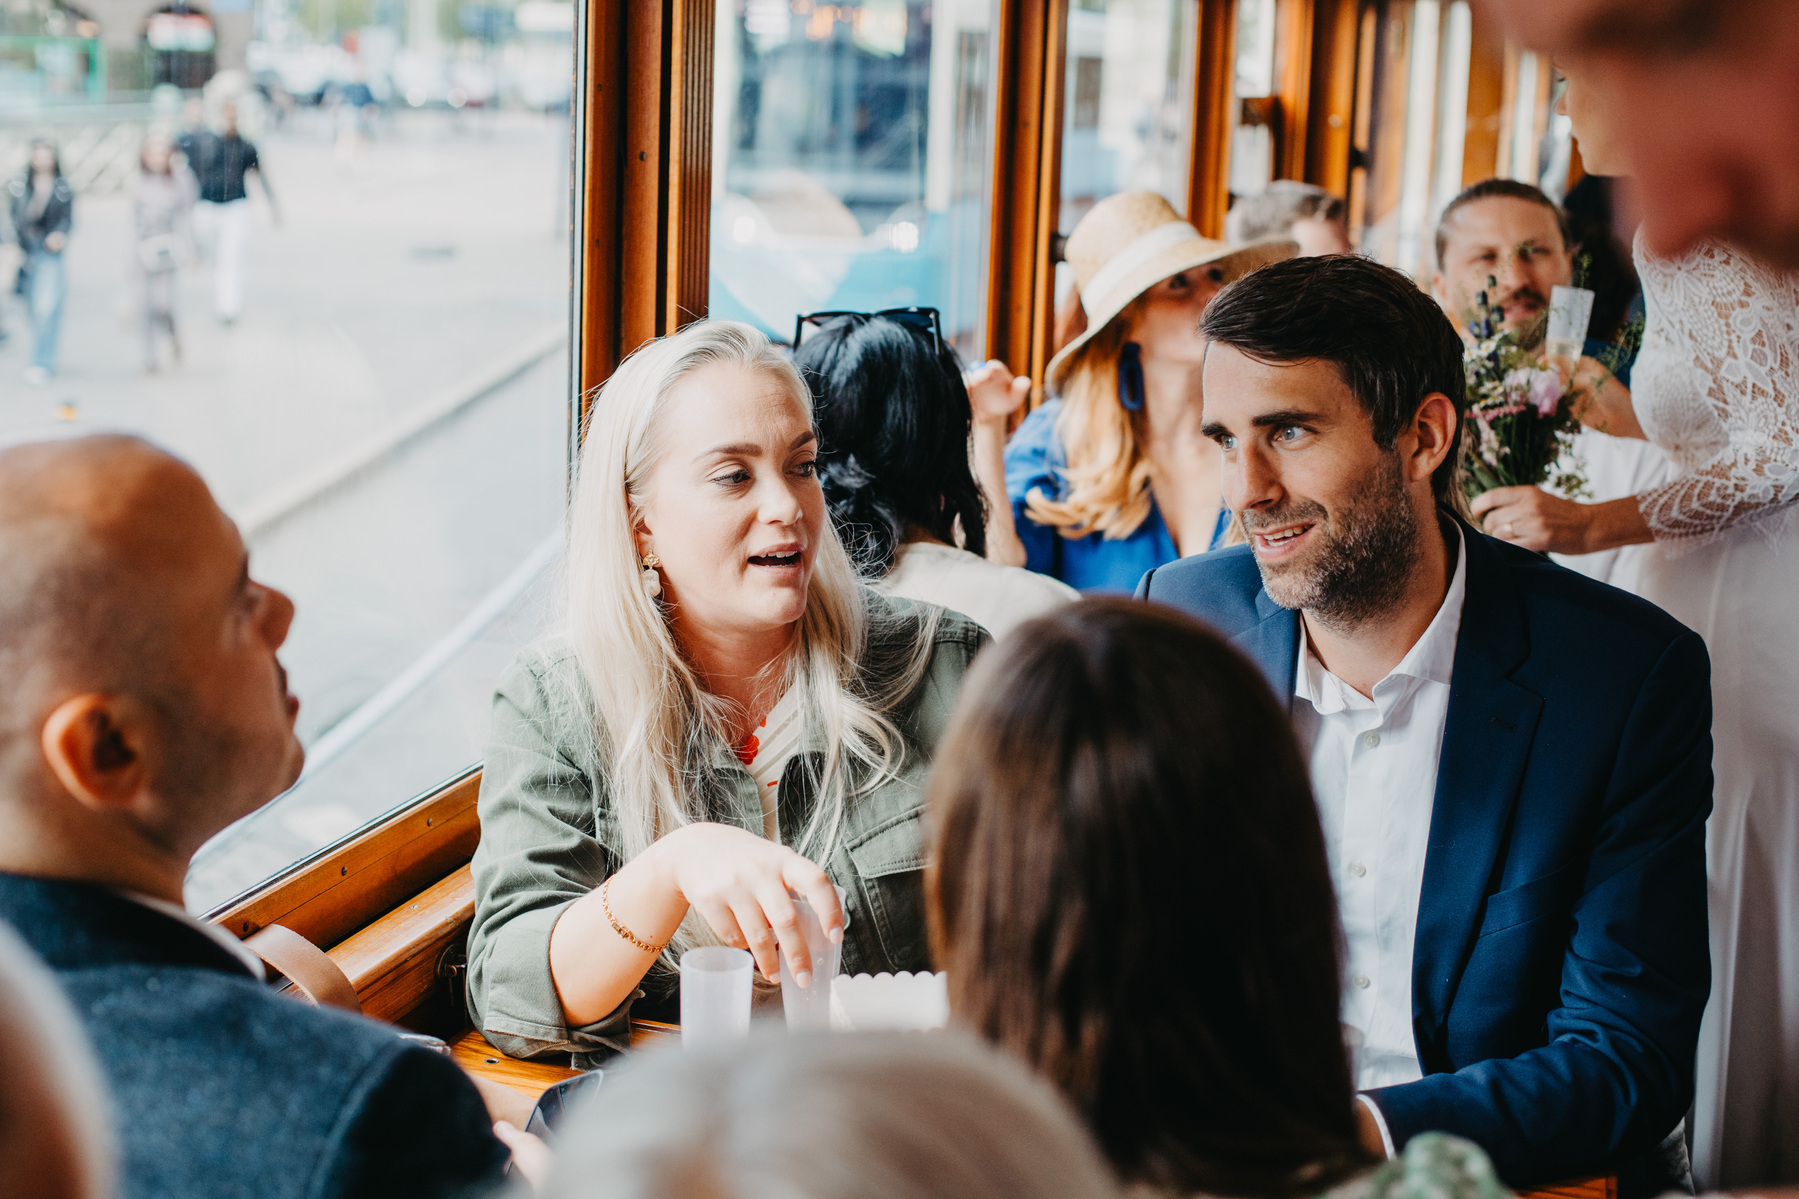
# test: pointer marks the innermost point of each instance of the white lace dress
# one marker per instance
(1717, 387)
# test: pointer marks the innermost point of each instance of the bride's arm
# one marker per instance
(1734, 317)
(1536, 520)
(1606, 402)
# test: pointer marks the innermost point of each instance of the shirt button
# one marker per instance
(1357, 869)
(1371, 739)
(1360, 980)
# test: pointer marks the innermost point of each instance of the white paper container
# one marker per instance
(904, 1001)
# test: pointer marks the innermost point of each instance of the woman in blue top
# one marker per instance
(1113, 477)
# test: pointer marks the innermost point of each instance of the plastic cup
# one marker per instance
(715, 995)
(809, 1007)
(1570, 311)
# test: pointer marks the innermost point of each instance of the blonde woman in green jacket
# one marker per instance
(728, 717)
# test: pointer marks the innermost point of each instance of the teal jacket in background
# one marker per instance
(549, 834)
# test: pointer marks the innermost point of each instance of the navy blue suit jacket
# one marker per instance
(1560, 964)
(222, 1088)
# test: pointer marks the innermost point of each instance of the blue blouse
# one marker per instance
(1035, 459)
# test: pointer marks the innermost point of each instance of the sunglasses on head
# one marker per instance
(925, 320)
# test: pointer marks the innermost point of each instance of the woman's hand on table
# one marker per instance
(739, 883)
(1536, 520)
(604, 942)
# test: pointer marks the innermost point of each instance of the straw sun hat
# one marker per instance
(1128, 243)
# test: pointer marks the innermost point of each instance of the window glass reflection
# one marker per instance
(320, 251)
(852, 147)
(1252, 131)
(1127, 101)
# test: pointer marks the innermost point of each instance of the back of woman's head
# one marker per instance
(1130, 891)
(893, 424)
(871, 1116)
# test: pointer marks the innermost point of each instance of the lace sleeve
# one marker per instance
(1733, 325)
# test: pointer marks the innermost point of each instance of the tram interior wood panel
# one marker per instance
(349, 886)
(1214, 96)
(1027, 183)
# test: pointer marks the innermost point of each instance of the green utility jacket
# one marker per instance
(549, 836)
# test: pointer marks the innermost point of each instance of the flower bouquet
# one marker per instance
(1522, 416)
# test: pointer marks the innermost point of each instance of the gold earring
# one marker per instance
(652, 582)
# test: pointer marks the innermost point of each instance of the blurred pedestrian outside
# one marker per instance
(41, 205)
(222, 163)
(162, 202)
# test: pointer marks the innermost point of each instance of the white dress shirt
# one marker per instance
(1374, 773)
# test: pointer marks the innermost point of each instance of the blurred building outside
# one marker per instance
(388, 419)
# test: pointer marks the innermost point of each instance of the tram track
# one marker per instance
(266, 512)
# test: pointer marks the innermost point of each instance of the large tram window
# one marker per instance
(384, 410)
(852, 160)
(1430, 131)
(1252, 130)
(1127, 101)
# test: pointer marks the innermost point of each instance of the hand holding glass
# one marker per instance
(809, 1006)
(1570, 311)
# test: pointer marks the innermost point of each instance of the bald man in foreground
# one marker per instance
(142, 709)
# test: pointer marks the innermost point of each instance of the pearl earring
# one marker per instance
(652, 582)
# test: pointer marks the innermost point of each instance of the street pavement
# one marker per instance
(396, 277)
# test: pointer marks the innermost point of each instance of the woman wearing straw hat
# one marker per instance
(1113, 478)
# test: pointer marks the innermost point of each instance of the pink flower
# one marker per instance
(1546, 392)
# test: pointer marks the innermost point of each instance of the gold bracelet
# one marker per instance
(621, 930)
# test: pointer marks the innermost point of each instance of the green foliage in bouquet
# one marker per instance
(1521, 419)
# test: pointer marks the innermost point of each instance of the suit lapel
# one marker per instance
(1486, 745)
(1273, 644)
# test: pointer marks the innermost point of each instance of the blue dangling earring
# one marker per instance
(1130, 377)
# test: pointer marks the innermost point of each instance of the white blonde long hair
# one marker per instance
(656, 728)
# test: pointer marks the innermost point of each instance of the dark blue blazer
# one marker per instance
(1560, 964)
(224, 1089)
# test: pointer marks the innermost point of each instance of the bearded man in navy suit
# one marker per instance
(1512, 762)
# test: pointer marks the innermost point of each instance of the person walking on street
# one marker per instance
(162, 202)
(42, 207)
(221, 162)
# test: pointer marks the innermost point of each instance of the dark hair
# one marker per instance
(55, 155)
(1129, 889)
(1392, 344)
(893, 424)
(1609, 271)
(1486, 189)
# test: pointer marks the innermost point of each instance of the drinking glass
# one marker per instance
(715, 995)
(1570, 311)
(809, 1007)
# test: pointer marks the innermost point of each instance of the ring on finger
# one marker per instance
(1507, 530)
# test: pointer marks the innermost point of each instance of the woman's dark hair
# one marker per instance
(1609, 271)
(55, 156)
(1392, 344)
(893, 424)
(1129, 890)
